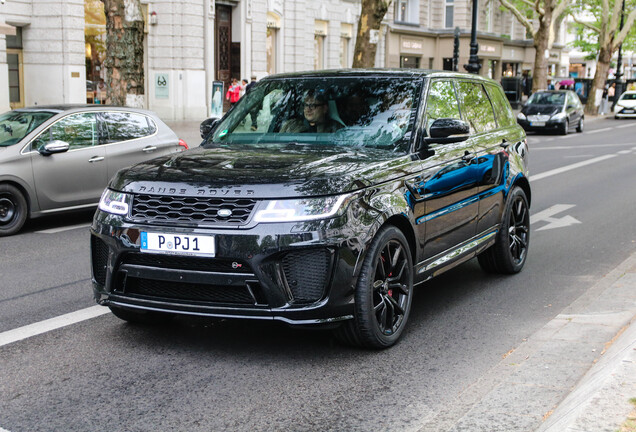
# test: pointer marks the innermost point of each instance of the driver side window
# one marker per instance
(78, 130)
(441, 102)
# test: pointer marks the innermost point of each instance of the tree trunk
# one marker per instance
(371, 16)
(540, 72)
(124, 53)
(600, 76)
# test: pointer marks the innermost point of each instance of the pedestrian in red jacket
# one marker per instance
(233, 93)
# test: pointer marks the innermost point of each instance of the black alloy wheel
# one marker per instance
(384, 293)
(510, 251)
(13, 210)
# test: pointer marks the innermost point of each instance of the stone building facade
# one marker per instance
(48, 47)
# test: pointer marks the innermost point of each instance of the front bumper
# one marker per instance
(625, 113)
(543, 126)
(297, 273)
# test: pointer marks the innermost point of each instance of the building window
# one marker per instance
(448, 13)
(489, 17)
(447, 64)
(320, 33)
(270, 48)
(402, 10)
(410, 62)
(346, 35)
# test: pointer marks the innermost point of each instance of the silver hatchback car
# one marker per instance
(60, 158)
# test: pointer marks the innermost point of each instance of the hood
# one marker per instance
(628, 103)
(536, 109)
(272, 171)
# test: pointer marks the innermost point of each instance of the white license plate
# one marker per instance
(537, 124)
(177, 244)
(628, 111)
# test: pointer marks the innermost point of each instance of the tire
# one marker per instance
(140, 316)
(382, 299)
(566, 128)
(13, 210)
(510, 251)
(579, 128)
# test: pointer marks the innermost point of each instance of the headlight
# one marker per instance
(114, 202)
(304, 209)
(521, 116)
(558, 116)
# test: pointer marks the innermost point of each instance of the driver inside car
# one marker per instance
(315, 116)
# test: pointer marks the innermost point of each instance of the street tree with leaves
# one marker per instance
(371, 16)
(603, 36)
(124, 53)
(546, 14)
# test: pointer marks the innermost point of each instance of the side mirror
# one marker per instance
(54, 147)
(208, 125)
(447, 131)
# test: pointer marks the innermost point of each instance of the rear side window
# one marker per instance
(441, 102)
(501, 105)
(124, 126)
(475, 106)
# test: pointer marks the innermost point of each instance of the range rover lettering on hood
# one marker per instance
(191, 191)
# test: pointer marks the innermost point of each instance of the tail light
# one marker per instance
(183, 144)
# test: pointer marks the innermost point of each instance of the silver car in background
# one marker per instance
(60, 158)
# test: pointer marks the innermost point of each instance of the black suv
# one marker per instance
(320, 198)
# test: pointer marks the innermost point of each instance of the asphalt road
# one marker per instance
(201, 375)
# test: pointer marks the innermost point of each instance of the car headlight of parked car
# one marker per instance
(297, 210)
(558, 116)
(521, 116)
(115, 202)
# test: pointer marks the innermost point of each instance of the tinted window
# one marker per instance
(124, 126)
(501, 105)
(15, 125)
(476, 108)
(628, 96)
(441, 102)
(547, 98)
(342, 112)
(78, 130)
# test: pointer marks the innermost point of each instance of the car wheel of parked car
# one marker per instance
(140, 317)
(565, 128)
(383, 293)
(13, 210)
(508, 254)
(579, 128)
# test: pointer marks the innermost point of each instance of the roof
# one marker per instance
(376, 72)
(73, 107)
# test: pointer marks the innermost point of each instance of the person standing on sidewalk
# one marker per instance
(233, 93)
(254, 112)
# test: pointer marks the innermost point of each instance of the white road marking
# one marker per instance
(624, 152)
(570, 167)
(547, 215)
(3, 430)
(600, 130)
(37, 328)
(625, 125)
(586, 146)
(62, 229)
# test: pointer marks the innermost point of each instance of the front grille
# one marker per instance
(99, 259)
(307, 272)
(171, 291)
(187, 263)
(194, 210)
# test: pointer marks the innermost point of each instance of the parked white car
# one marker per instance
(626, 105)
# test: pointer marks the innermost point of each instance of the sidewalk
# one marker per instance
(576, 374)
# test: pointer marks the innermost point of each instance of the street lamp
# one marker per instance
(473, 65)
(618, 76)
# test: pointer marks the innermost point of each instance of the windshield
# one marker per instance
(628, 96)
(351, 112)
(15, 125)
(547, 99)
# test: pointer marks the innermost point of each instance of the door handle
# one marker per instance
(149, 149)
(96, 159)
